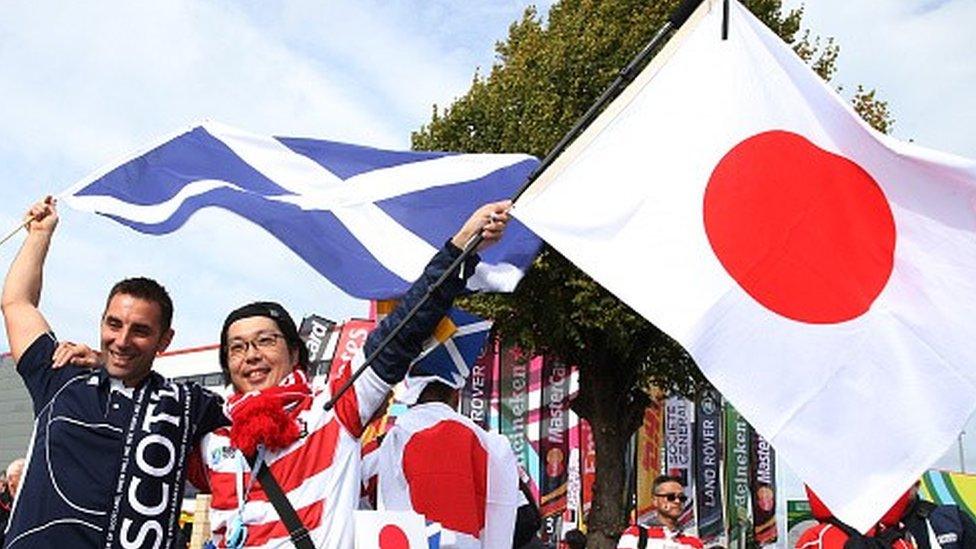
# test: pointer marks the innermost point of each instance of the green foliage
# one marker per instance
(873, 110)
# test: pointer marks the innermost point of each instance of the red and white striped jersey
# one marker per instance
(442, 465)
(319, 472)
(658, 537)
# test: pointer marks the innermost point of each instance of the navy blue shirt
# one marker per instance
(75, 454)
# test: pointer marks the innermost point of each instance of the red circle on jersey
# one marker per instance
(393, 537)
(807, 233)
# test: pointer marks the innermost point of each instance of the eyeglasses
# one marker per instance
(238, 348)
(673, 497)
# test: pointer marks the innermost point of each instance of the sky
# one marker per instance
(82, 84)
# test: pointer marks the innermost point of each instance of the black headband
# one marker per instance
(275, 312)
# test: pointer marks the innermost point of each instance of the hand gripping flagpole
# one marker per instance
(624, 77)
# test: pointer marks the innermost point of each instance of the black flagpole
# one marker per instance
(725, 19)
(624, 77)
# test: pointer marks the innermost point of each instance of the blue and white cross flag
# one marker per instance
(448, 355)
(367, 219)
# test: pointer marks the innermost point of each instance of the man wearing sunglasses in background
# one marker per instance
(662, 530)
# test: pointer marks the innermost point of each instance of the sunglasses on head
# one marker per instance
(673, 497)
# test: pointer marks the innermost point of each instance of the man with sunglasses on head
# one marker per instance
(662, 530)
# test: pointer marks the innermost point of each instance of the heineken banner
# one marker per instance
(650, 438)
(476, 395)
(799, 519)
(738, 438)
(513, 402)
(678, 418)
(708, 466)
(320, 337)
(554, 438)
(763, 491)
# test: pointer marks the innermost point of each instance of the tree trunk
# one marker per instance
(607, 402)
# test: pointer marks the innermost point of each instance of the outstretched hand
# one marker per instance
(76, 354)
(42, 217)
(489, 220)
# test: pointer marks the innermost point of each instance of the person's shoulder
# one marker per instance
(39, 352)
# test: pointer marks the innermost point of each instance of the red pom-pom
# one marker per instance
(262, 420)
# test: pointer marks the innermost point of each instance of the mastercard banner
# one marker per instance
(554, 438)
(810, 265)
(763, 491)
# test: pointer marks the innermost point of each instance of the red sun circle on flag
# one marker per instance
(807, 233)
(393, 537)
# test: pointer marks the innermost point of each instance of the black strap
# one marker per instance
(641, 537)
(296, 530)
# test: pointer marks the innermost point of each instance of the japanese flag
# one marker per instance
(442, 465)
(390, 530)
(822, 275)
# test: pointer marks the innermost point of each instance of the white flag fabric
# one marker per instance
(442, 465)
(821, 274)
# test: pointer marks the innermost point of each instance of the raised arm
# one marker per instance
(22, 288)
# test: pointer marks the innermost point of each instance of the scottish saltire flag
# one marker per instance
(448, 354)
(367, 219)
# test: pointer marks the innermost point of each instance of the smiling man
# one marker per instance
(106, 465)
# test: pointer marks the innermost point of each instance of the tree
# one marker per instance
(546, 76)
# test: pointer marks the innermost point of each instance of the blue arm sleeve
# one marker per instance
(392, 363)
(35, 369)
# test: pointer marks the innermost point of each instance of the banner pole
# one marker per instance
(624, 77)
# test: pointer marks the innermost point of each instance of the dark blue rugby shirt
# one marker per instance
(75, 454)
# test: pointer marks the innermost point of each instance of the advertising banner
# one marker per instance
(513, 402)
(320, 337)
(650, 438)
(587, 465)
(738, 440)
(554, 437)
(798, 519)
(678, 419)
(708, 466)
(352, 337)
(477, 391)
(763, 490)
